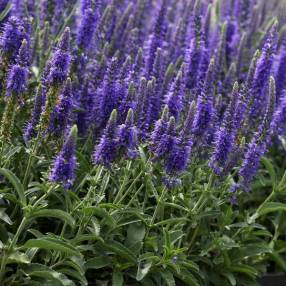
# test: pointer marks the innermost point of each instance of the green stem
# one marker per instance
(11, 246)
(16, 237)
(282, 182)
(99, 171)
(256, 214)
(3, 266)
(30, 161)
(18, 233)
(194, 236)
(269, 198)
(86, 198)
(156, 210)
(124, 183)
(129, 189)
(43, 197)
(197, 208)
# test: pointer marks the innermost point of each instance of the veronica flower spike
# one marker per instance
(63, 171)
(128, 136)
(18, 74)
(60, 61)
(106, 151)
(31, 127)
(60, 116)
(11, 38)
(174, 99)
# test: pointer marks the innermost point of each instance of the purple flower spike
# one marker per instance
(138, 64)
(251, 160)
(17, 80)
(204, 112)
(155, 99)
(167, 141)
(87, 27)
(18, 74)
(178, 158)
(160, 127)
(225, 135)
(281, 71)
(18, 8)
(85, 114)
(245, 9)
(259, 143)
(30, 130)
(252, 69)
(207, 24)
(63, 171)
(146, 119)
(174, 99)
(12, 37)
(128, 102)
(188, 123)
(109, 96)
(278, 124)
(262, 74)
(142, 90)
(194, 54)
(59, 7)
(61, 114)
(87, 4)
(157, 37)
(60, 61)
(124, 78)
(23, 58)
(106, 151)
(128, 136)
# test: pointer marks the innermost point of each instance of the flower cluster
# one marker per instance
(180, 81)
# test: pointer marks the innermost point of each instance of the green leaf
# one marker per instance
(42, 271)
(188, 278)
(148, 282)
(5, 12)
(250, 250)
(168, 277)
(244, 269)
(142, 155)
(191, 266)
(143, 271)
(12, 152)
(86, 237)
(117, 279)
(272, 207)
(120, 250)
(3, 233)
(135, 233)
(230, 277)
(77, 263)
(171, 221)
(101, 213)
(49, 243)
(5, 217)
(75, 275)
(268, 165)
(18, 257)
(13, 179)
(279, 260)
(167, 240)
(64, 216)
(97, 262)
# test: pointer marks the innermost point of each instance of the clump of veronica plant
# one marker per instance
(130, 132)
